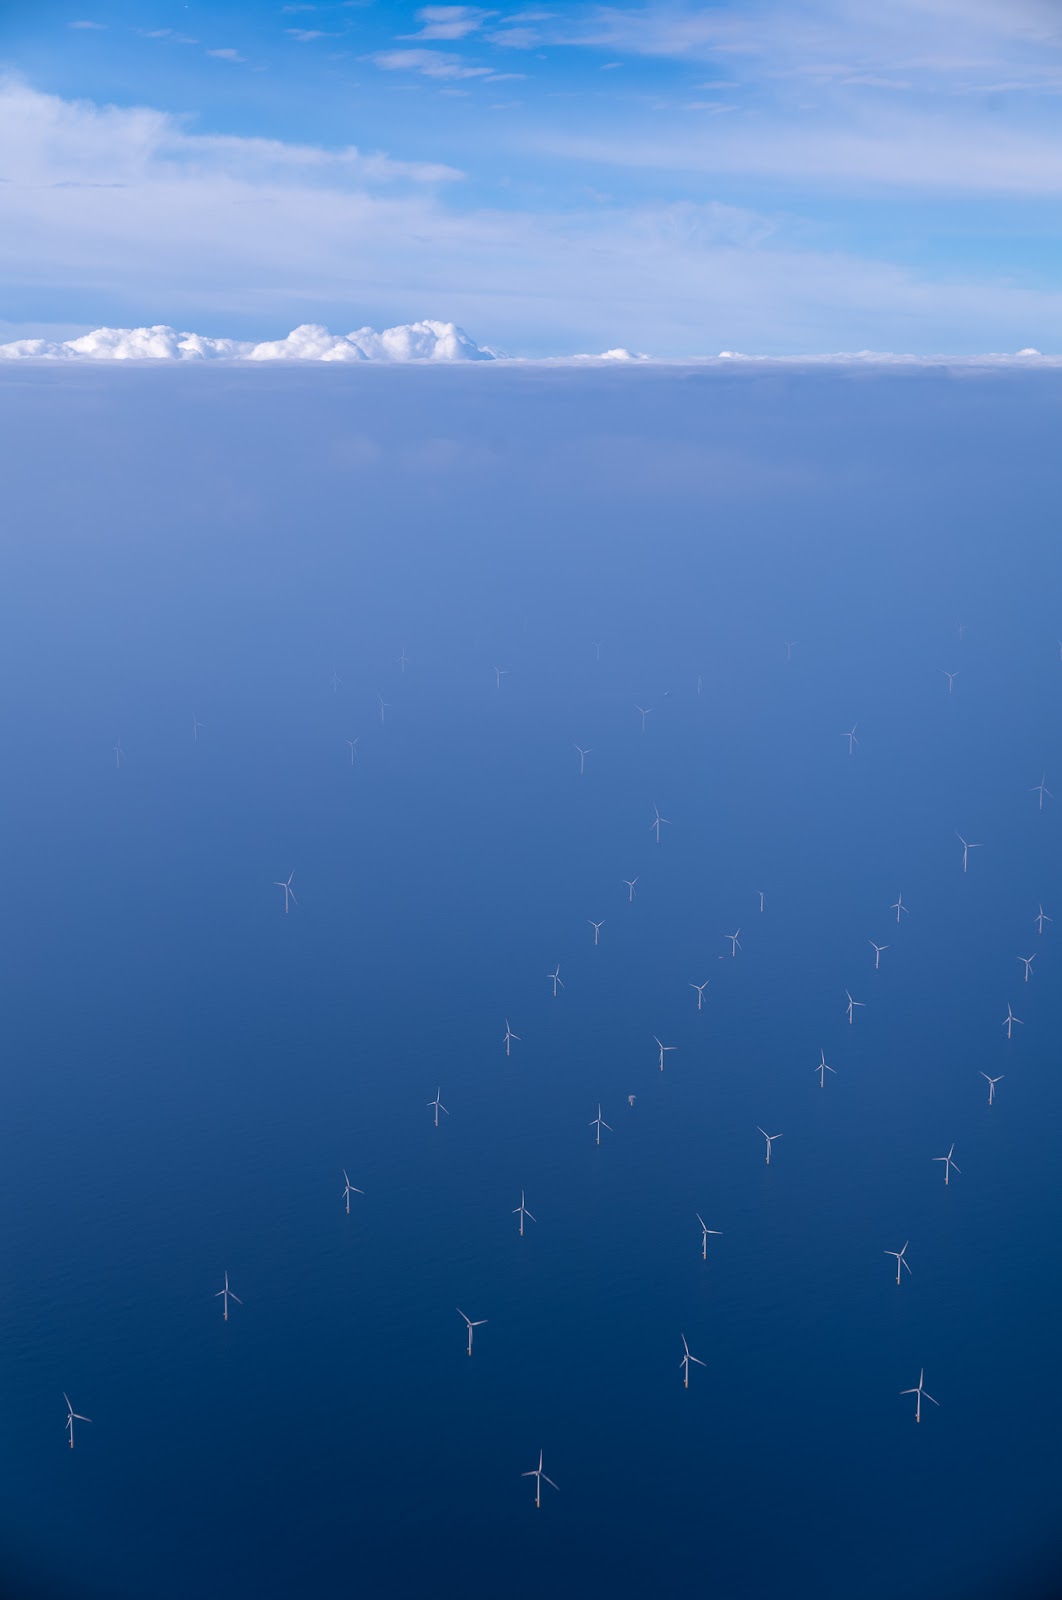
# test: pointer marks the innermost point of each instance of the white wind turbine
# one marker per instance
(966, 848)
(289, 892)
(556, 979)
(700, 988)
(948, 1164)
(922, 1393)
(510, 1038)
(72, 1416)
(705, 1231)
(878, 948)
(438, 1105)
(582, 757)
(522, 1211)
(685, 1362)
(850, 1007)
(1009, 1020)
(598, 1122)
(770, 1137)
(540, 1478)
(901, 1259)
(348, 1190)
(1042, 790)
(225, 1295)
(663, 1049)
(992, 1085)
(658, 820)
(823, 1068)
(597, 926)
(481, 1323)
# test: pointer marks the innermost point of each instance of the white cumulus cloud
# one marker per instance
(412, 341)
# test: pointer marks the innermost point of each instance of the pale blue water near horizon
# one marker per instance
(188, 1070)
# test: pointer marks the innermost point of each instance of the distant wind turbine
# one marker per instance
(949, 1164)
(921, 1394)
(598, 1122)
(225, 1295)
(289, 892)
(705, 1231)
(992, 1085)
(72, 1416)
(685, 1362)
(522, 1212)
(438, 1105)
(348, 1190)
(540, 1478)
(481, 1323)
(901, 1259)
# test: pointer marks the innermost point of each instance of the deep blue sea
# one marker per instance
(763, 559)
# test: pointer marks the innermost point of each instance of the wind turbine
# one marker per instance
(654, 826)
(555, 978)
(225, 1295)
(922, 1393)
(352, 746)
(499, 674)
(597, 926)
(763, 899)
(334, 680)
(1009, 1020)
(734, 945)
(789, 643)
(951, 676)
(385, 706)
(403, 660)
(685, 1362)
(630, 882)
(705, 1231)
(901, 1259)
(582, 757)
(770, 1137)
(348, 1190)
(437, 1103)
(119, 753)
(878, 948)
(899, 906)
(966, 848)
(196, 725)
(523, 1213)
(992, 1085)
(481, 1323)
(1041, 789)
(663, 1048)
(1041, 918)
(72, 1416)
(851, 737)
(599, 1123)
(1028, 960)
(645, 711)
(540, 1478)
(948, 1164)
(700, 988)
(289, 892)
(823, 1068)
(850, 1007)
(510, 1036)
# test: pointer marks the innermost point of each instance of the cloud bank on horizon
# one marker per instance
(668, 175)
(425, 341)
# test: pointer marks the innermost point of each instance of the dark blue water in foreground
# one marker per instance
(187, 1070)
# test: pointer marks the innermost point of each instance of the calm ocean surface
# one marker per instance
(187, 1070)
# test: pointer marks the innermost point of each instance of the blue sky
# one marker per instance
(776, 178)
